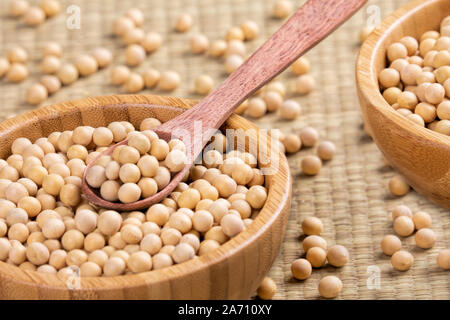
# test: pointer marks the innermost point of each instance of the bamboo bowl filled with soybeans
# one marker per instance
(55, 244)
(403, 86)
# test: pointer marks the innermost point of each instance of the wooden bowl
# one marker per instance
(420, 154)
(233, 271)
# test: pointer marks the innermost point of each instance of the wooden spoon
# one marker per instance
(309, 25)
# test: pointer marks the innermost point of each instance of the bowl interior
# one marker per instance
(103, 110)
(413, 20)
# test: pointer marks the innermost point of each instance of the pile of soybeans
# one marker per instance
(47, 225)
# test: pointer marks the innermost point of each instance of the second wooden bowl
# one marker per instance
(233, 271)
(421, 155)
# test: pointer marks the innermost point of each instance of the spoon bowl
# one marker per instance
(94, 196)
(421, 155)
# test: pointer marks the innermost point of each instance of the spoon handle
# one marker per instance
(308, 26)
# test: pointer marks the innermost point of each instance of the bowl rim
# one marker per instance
(278, 197)
(367, 77)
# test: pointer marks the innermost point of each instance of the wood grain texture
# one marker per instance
(420, 154)
(308, 26)
(232, 272)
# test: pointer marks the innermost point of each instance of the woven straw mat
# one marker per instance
(350, 194)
